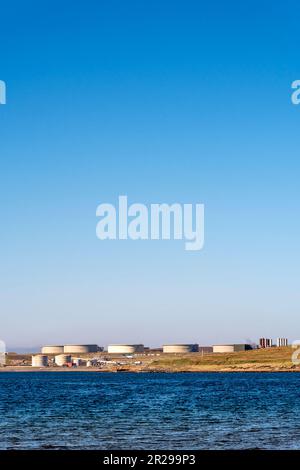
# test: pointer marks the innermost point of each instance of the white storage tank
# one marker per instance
(63, 359)
(125, 348)
(81, 348)
(52, 349)
(180, 348)
(40, 360)
(230, 348)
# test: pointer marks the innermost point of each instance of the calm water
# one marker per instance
(149, 411)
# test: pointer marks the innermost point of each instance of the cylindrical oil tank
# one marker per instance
(229, 348)
(125, 348)
(180, 348)
(52, 349)
(40, 360)
(81, 348)
(223, 348)
(63, 359)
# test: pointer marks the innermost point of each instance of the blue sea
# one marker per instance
(87, 410)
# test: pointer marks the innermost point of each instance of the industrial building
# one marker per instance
(40, 360)
(81, 348)
(230, 348)
(77, 361)
(63, 359)
(125, 348)
(282, 342)
(52, 349)
(265, 343)
(180, 348)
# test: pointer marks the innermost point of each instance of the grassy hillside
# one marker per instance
(260, 359)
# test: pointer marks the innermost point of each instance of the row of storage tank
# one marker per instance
(116, 348)
(42, 360)
(139, 348)
(71, 349)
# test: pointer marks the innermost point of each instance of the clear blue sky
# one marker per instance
(165, 101)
